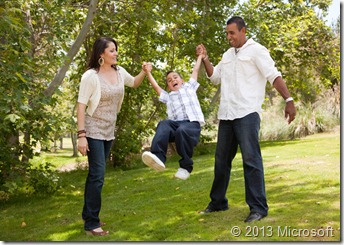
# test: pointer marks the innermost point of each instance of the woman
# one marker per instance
(101, 94)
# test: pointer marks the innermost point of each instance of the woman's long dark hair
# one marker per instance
(98, 48)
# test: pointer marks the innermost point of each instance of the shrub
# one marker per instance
(43, 179)
(311, 118)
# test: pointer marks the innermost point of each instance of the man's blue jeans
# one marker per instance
(245, 133)
(97, 155)
(184, 133)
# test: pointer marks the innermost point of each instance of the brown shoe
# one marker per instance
(97, 233)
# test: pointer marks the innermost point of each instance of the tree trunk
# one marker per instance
(57, 81)
(73, 136)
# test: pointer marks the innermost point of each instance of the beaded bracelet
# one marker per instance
(81, 131)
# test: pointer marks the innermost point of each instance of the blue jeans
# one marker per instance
(185, 134)
(245, 133)
(99, 151)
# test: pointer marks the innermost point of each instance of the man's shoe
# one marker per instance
(182, 174)
(209, 210)
(254, 216)
(152, 161)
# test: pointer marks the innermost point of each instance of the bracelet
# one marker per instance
(83, 136)
(81, 131)
(289, 99)
(205, 58)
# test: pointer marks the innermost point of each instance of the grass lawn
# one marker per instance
(302, 183)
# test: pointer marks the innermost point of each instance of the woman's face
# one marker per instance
(110, 54)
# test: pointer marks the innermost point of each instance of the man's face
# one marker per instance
(174, 81)
(235, 37)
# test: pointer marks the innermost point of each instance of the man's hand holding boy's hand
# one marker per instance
(201, 50)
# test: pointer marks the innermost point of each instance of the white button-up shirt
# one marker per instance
(243, 78)
(183, 104)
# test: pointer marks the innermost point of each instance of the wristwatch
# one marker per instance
(289, 99)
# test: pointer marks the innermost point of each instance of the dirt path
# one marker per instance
(73, 166)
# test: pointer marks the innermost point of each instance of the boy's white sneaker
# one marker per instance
(152, 161)
(182, 174)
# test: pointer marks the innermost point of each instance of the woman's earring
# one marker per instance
(101, 61)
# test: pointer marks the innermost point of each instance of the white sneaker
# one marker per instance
(182, 174)
(152, 161)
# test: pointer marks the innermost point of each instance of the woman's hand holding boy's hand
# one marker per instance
(147, 67)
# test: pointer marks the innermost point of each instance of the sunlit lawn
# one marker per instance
(302, 183)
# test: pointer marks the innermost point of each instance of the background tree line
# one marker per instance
(45, 45)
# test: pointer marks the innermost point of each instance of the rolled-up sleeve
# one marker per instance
(266, 65)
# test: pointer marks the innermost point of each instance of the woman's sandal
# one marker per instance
(97, 233)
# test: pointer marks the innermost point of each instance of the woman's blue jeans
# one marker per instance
(99, 151)
(245, 133)
(185, 134)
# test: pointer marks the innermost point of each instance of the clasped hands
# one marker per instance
(147, 67)
(200, 50)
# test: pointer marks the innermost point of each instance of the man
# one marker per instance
(243, 72)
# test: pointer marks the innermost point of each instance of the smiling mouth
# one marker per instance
(175, 85)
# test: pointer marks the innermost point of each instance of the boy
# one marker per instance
(183, 125)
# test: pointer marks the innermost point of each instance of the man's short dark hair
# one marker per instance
(237, 20)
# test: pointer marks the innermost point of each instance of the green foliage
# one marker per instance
(44, 179)
(39, 180)
(36, 35)
(304, 48)
(321, 116)
(4, 196)
(302, 177)
(31, 45)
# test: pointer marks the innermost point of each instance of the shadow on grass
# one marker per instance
(144, 205)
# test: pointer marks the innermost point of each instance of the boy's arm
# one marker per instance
(154, 84)
(196, 68)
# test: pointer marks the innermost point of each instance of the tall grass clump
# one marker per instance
(321, 116)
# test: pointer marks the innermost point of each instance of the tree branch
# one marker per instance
(57, 81)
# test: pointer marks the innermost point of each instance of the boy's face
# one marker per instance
(174, 81)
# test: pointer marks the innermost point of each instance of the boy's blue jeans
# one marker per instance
(97, 155)
(185, 134)
(245, 133)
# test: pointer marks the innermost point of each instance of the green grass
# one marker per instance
(302, 182)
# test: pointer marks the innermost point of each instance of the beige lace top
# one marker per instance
(101, 125)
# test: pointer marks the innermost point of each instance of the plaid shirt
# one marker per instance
(183, 104)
